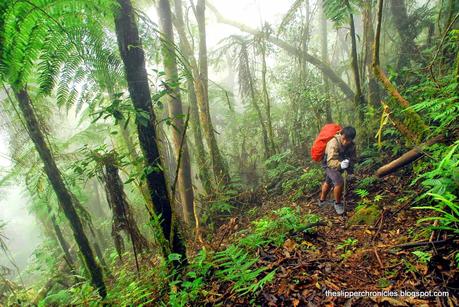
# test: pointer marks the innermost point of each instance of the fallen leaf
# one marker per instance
(289, 244)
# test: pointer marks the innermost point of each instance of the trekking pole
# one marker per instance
(344, 188)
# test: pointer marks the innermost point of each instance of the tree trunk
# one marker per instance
(374, 96)
(202, 94)
(132, 151)
(253, 99)
(134, 157)
(123, 219)
(267, 99)
(359, 99)
(62, 242)
(201, 154)
(174, 102)
(324, 53)
(97, 208)
(133, 58)
(407, 48)
(393, 91)
(66, 200)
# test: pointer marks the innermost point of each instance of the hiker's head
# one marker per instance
(347, 135)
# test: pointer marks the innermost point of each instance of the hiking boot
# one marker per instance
(339, 208)
(323, 203)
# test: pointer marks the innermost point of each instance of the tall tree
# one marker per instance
(202, 93)
(368, 35)
(132, 54)
(192, 70)
(65, 246)
(413, 118)
(267, 100)
(174, 104)
(247, 85)
(407, 48)
(359, 100)
(123, 218)
(66, 200)
(324, 53)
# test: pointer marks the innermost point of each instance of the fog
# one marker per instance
(139, 138)
(21, 232)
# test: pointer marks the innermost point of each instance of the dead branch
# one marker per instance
(326, 69)
(378, 258)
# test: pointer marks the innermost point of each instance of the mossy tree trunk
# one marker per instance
(202, 94)
(201, 154)
(407, 48)
(123, 219)
(417, 126)
(66, 200)
(174, 104)
(62, 241)
(132, 54)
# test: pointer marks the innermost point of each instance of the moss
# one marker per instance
(365, 215)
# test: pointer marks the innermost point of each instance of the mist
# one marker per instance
(241, 152)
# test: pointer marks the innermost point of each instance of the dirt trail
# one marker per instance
(308, 265)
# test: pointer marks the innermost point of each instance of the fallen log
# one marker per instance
(407, 157)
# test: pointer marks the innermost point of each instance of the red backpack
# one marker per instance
(326, 134)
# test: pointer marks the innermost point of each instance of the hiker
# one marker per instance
(339, 157)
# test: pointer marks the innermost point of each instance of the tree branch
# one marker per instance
(324, 68)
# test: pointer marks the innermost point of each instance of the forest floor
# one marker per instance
(309, 264)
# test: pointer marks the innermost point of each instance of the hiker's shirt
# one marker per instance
(335, 152)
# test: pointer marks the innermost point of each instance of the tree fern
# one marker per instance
(338, 10)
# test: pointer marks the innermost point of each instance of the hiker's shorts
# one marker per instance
(333, 177)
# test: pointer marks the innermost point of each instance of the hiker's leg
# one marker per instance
(338, 193)
(326, 186)
(338, 182)
(324, 192)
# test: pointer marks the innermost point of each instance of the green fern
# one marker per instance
(443, 189)
(338, 11)
(237, 267)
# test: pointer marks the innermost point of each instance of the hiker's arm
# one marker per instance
(352, 159)
(332, 151)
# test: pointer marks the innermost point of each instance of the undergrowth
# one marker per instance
(275, 228)
(236, 265)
